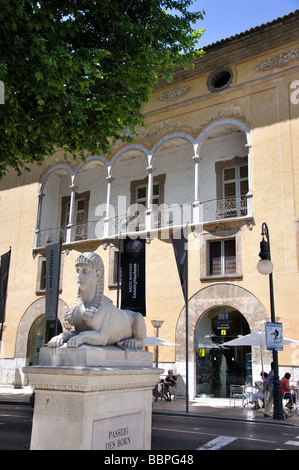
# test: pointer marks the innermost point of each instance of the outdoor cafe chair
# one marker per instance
(237, 392)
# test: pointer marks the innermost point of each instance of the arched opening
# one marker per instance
(50, 225)
(40, 333)
(217, 366)
(204, 301)
(173, 157)
(128, 196)
(87, 211)
(223, 153)
(29, 324)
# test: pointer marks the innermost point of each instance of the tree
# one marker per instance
(77, 72)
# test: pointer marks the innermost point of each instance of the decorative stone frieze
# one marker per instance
(174, 93)
(278, 60)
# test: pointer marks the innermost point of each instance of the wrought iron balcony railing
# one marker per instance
(164, 217)
(224, 208)
(50, 235)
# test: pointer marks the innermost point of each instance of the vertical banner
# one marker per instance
(133, 276)
(53, 255)
(180, 248)
(179, 243)
(4, 272)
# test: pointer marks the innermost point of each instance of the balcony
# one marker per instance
(224, 208)
(151, 222)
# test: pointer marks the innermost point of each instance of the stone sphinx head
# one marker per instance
(90, 280)
(90, 271)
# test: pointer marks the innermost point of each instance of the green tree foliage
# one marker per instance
(77, 72)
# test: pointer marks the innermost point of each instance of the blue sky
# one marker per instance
(225, 18)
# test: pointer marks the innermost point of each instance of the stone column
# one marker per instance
(72, 211)
(108, 202)
(197, 206)
(40, 196)
(149, 210)
(249, 195)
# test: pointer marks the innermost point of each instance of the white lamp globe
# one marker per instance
(265, 267)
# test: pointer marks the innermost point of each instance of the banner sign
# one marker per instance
(274, 336)
(53, 255)
(180, 248)
(179, 244)
(133, 276)
(4, 271)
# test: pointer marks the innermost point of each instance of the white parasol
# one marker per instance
(257, 338)
(154, 341)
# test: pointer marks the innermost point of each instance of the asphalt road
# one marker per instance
(171, 433)
(175, 433)
(15, 427)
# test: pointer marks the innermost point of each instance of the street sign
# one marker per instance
(274, 336)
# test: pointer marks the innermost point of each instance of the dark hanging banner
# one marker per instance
(180, 248)
(53, 255)
(4, 271)
(133, 276)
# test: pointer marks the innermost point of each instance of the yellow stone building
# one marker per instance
(221, 153)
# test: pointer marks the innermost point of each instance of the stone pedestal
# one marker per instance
(92, 399)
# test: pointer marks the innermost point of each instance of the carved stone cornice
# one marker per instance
(90, 379)
(87, 388)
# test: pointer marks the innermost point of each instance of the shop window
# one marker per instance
(216, 367)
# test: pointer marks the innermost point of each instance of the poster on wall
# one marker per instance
(274, 336)
(133, 276)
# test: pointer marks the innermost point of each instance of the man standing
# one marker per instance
(268, 385)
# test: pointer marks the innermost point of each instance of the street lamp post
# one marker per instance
(157, 324)
(265, 267)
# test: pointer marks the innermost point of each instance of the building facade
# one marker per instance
(220, 153)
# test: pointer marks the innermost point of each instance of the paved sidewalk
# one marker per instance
(219, 408)
(18, 396)
(204, 407)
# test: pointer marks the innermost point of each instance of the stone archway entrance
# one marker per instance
(211, 297)
(217, 366)
(27, 329)
(40, 333)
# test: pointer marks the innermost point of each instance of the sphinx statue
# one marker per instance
(96, 321)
